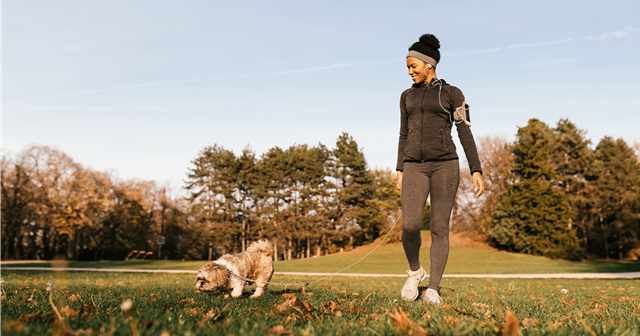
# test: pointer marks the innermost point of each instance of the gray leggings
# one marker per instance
(441, 180)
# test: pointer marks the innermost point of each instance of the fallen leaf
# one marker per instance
(279, 330)
(512, 325)
(331, 307)
(37, 317)
(294, 303)
(528, 321)
(451, 320)
(192, 311)
(68, 312)
(74, 297)
(404, 324)
(555, 325)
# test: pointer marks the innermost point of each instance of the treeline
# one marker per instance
(307, 200)
(550, 193)
(52, 207)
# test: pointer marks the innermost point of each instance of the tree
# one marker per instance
(213, 185)
(355, 190)
(496, 155)
(533, 215)
(614, 203)
(575, 170)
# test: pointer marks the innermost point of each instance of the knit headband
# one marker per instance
(422, 57)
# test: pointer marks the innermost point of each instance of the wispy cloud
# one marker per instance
(548, 63)
(609, 35)
(604, 36)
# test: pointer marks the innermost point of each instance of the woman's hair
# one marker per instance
(426, 49)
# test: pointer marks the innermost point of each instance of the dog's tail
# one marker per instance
(261, 246)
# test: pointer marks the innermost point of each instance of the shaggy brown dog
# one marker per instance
(255, 264)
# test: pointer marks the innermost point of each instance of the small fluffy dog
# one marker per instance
(255, 264)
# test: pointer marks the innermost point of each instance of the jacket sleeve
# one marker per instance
(464, 134)
(404, 131)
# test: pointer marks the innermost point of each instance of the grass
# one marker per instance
(390, 259)
(167, 304)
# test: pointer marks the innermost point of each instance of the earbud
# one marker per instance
(429, 66)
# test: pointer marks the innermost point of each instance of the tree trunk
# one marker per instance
(275, 250)
(308, 248)
(244, 234)
(289, 251)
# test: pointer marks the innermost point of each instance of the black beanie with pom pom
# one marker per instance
(426, 49)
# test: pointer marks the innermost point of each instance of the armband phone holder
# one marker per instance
(462, 114)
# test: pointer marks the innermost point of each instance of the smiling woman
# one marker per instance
(427, 156)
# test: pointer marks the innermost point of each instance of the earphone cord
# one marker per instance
(440, 100)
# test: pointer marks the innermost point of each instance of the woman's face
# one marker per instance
(417, 69)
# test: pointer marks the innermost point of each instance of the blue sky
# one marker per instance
(140, 87)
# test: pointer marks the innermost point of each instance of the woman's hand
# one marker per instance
(399, 182)
(478, 185)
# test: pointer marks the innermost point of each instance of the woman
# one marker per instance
(428, 163)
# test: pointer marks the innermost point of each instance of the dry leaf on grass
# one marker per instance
(211, 315)
(294, 303)
(512, 325)
(279, 330)
(451, 320)
(404, 324)
(554, 325)
(37, 317)
(528, 321)
(331, 307)
(68, 312)
(192, 311)
(74, 297)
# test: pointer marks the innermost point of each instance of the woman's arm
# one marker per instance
(404, 131)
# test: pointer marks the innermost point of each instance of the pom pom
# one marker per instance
(430, 40)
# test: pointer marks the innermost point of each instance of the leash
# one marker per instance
(330, 275)
(361, 259)
(304, 284)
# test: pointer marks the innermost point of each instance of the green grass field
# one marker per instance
(390, 259)
(167, 304)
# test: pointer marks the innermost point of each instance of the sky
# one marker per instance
(139, 88)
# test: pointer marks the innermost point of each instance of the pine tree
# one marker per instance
(213, 186)
(355, 189)
(614, 210)
(533, 215)
(575, 171)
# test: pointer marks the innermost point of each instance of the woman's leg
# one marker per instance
(415, 189)
(444, 186)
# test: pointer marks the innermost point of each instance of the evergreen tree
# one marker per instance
(575, 167)
(355, 189)
(213, 186)
(533, 215)
(614, 208)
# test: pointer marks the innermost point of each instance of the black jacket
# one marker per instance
(425, 127)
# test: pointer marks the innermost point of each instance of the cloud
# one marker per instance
(609, 35)
(604, 36)
(548, 63)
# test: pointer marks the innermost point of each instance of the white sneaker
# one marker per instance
(432, 297)
(410, 290)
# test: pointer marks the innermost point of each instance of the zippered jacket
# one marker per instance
(425, 126)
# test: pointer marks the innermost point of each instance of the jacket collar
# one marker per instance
(432, 83)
